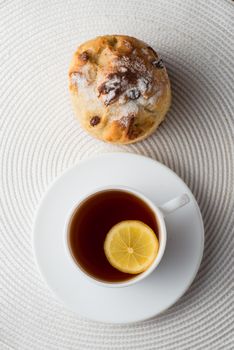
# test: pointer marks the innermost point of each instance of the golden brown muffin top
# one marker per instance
(117, 68)
(120, 72)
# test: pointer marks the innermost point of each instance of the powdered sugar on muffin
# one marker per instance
(124, 79)
(129, 81)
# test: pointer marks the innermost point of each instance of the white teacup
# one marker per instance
(160, 213)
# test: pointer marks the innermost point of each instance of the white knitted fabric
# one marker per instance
(40, 139)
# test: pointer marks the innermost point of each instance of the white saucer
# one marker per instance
(164, 286)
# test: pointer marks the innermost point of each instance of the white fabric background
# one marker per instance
(40, 139)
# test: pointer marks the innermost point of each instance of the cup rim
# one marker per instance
(162, 236)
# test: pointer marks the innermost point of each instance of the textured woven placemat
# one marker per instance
(40, 139)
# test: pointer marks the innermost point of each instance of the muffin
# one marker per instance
(119, 87)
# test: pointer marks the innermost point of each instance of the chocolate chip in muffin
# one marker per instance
(158, 64)
(84, 56)
(113, 87)
(112, 41)
(95, 120)
(116, 84)
(133, 94)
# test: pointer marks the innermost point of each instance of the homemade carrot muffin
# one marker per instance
(120, 88)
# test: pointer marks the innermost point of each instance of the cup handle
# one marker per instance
(174, 204)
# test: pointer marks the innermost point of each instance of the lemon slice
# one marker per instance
(131, 246)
